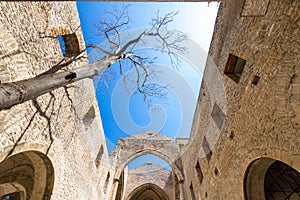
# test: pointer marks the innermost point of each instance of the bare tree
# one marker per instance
(17, 92)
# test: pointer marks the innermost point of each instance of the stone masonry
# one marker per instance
(247, 116)
(52, 134)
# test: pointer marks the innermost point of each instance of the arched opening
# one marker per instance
(146, 170)
(269, 179)
(26, 176)
(159, 154)
(148, 192)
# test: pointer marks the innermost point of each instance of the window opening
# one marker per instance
(218, 116)
(255, 80)
(99, 156)
(69, 44)
(216, 171)
(282, 182)
(150, 135)
(149, 166)
(89, 117)
(206, 149)
(199, 172)
(234, 67)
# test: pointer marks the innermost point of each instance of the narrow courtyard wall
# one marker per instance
(250, 115)
(61, 129)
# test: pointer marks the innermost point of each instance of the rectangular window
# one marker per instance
(218, 116)
(149, 166)
(234, 67)
(206, 149)
(69, 44)
(99, 156)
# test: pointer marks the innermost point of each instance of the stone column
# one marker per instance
(182, 191)
(114, 189)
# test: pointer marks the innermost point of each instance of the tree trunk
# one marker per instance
(18, 92)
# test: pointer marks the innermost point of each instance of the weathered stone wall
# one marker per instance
(64, 125)
(63, 128)
(127, 149)
(156, 175)
(262, 119)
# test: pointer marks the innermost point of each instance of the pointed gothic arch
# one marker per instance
(148, 191)
(267, 178)
(26, 175)
(159, 154)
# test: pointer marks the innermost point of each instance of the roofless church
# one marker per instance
(245, 137)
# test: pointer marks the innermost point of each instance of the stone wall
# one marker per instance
(64, 125)
(155, 175)
(57, 141)
(261, 110)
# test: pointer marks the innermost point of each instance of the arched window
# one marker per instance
(268, 179)
(282, 182)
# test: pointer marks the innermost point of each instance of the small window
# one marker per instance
(99, 156)
(12, 196)
(199, 172)
(234, 67)
(150, 135)
(255, 80)
(149, 166)
(218, 116)
(89, 117)
(206, 149)
(69, 44)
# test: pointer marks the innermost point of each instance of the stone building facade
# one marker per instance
(49, 148)
(246, 126)
(246, 121)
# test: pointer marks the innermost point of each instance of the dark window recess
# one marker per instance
(11, 196)
(234, 67)
(69, 44)
(282, 182)
(89, 117)
(199, 172)
(150, 135)
(255, 80)
(218, 116)
(216, 171)
(149, 166)
(192, 192)
(206, 149)
(99, 156)
(231, 136)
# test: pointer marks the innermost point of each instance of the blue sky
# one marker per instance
(124, 113)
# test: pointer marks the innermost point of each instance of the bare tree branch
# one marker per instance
(18, 92)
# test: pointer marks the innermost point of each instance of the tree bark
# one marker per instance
(20, 91)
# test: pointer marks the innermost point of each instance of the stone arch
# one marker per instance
(157, 153)
(13, 187)
(139, 191)
(260, 180)
(28, 173)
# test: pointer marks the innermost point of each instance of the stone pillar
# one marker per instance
(182, 191)
(114, 189)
